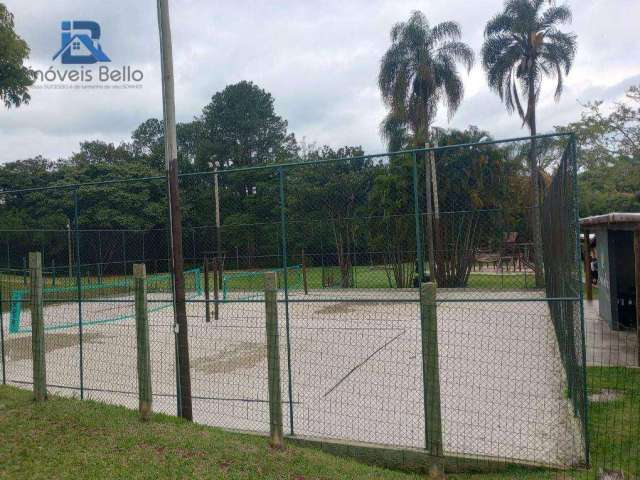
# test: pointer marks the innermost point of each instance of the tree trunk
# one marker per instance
(536, 222)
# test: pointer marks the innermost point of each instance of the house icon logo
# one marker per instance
(79, 43)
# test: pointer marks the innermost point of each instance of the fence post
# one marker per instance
(142, 338)
(430, 370)
(124, 253)
(207, 313)
(37, 328)
(273, 360)
(216, 286)
(304, 275)
(24, 272)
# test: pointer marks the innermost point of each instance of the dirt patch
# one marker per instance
(238, 356)
(19, 348)
(605, 395)
(343, 307)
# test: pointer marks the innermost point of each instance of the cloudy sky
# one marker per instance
(318, 58)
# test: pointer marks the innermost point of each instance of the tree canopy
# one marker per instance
(15, 77)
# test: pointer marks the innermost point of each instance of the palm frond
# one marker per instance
(458, 51)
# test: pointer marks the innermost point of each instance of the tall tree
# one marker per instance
(523, 44)
(15, 78)
(240, 128)
(418, 71)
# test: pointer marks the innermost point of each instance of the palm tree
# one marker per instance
(416, 73)
(522, 46)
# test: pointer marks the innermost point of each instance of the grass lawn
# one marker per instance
(371, 277)
(66, 438)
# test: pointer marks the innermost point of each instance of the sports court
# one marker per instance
(356, 371)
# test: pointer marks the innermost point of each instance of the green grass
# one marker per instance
(66, 438)
(376, 277)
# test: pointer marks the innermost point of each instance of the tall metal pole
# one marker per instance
(283, 224)
(216, 194)
(429, 215)
(416, 207)
(79, 291)
(177, 259)
(69, 248)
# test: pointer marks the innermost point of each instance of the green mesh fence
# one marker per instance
(96, 293)
(563, 279)
(250, 284)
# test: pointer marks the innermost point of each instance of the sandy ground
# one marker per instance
(356, 369)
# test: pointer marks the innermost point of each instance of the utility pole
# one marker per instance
(177, 260)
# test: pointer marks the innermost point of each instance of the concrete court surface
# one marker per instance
(355, 368)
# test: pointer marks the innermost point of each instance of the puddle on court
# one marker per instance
(238, 356)
(19, 348)
(343, 307)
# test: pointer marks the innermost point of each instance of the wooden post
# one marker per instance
(183, 372)
(430, 369)
(587, 266)
(142, 337)
(206, 290)
(273, 360)
(216, 286)
(636, 245)
(37, 328)
(304, 275)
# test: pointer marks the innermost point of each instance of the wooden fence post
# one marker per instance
(430, 369)
(142, 337)
(304, 275)
(37, 327)
(206, 290)
(273, 360)
(216, 286)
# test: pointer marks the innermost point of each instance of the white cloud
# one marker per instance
(318, 59)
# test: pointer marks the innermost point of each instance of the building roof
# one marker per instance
(613, 221)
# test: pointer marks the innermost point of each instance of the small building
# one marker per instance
(618, 256)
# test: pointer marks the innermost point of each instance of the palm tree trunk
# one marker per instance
(535, 191)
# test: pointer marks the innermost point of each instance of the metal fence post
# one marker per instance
(216, 287)
(583, 344)
(207, 313)
(416, 210)
(124, 253)
(283, 224)
(79, 290)
(37, 327)
(24, 272)
(273, 359)
(305, 285)
(53, 271)
(99, 256)
(430, 370)
(145, 398)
